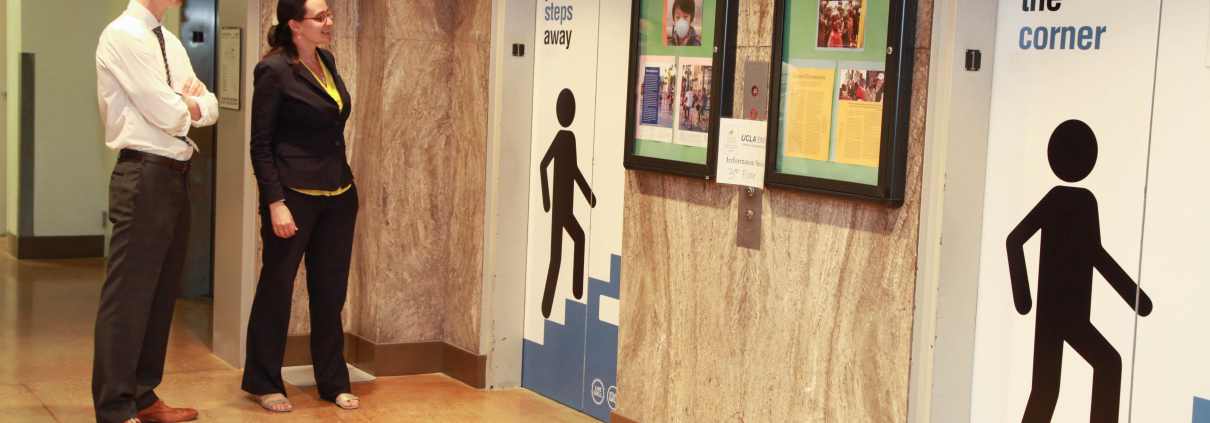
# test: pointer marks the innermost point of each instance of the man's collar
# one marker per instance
(140, 12)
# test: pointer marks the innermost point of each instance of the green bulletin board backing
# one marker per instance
(799, 43)
(651, 44)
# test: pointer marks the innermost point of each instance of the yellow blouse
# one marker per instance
(330, 86)
(328, 82)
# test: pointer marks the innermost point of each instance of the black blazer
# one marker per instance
(297, 129)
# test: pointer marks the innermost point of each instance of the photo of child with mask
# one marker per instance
(683, 22)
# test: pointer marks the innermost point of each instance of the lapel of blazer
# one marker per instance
(330, 62)
(310, 78)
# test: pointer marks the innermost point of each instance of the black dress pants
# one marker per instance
(149, 209)
(325, 237)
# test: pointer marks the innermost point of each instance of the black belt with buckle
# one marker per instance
(178, 165)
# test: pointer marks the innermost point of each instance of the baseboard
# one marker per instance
(400, 359)
(615, 417)
(56, 247)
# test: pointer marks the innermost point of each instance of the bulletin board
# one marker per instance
(678, 75)
(844, 71)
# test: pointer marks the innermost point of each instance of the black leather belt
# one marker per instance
(178, 165)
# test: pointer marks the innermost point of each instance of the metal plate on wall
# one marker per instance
(747, 230)
(756, 91)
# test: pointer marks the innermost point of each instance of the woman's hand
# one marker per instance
(283, 221)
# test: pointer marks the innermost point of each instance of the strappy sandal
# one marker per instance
(268, 405)
(346, 398)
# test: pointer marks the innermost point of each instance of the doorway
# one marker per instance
(198, 35)
(576, 184)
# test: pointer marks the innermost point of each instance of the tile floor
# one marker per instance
(47, 312)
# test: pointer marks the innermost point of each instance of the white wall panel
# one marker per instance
(1108, 86)
(1172, 361)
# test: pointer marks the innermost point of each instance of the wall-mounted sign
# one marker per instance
(678, 69)
(1060, 300)
(844, 94)
(741, 152)
(231, 48)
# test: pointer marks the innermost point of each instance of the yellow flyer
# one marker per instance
(859, 117)
(858, 133)
(809, 113)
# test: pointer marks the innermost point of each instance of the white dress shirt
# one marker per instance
(140, 110)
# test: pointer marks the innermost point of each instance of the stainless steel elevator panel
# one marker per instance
(198, 35)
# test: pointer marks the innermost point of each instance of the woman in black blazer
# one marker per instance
(308, 203)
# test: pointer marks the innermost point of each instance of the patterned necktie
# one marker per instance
(159, 34)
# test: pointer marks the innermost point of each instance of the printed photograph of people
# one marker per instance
(657, 76)
(695, 98)
(859, 85)
(874, 80)
(683, 22)
(840, 24)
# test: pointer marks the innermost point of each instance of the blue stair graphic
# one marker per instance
(1201, 410)
(578, 363)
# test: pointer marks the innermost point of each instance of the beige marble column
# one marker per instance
(417, 72)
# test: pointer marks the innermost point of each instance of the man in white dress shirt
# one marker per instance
(149, 98)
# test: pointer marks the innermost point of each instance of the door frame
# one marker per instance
(506, 202)
(947, 280)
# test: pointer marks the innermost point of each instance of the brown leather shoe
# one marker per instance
(162, 413)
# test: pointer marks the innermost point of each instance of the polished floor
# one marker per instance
(47, 312)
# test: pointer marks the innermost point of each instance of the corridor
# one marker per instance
(47, 312)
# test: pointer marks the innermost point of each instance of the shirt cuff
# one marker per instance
(202, 115)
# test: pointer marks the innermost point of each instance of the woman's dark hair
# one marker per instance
(281, 37)
(688, 7)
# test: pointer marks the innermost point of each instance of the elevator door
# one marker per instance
(198, 36)
(575, 205)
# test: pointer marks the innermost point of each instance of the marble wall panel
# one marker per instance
(468, 115)
(924, 24)
(814, 326)
(268, 18)
(755, 24)
(364, 159)
(416, 20)
(346, 16)
(473, 21)
(416, 198)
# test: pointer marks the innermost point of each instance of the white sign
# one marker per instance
(230, 45)
(741, 152)
(1066, 172)
(561, 162)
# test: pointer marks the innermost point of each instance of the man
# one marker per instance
(149, 97)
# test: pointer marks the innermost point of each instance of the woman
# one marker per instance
(308, 203)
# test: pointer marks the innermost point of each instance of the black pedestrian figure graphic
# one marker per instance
(1071, 249)
(567, 172)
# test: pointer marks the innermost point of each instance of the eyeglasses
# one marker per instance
(322, 17)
